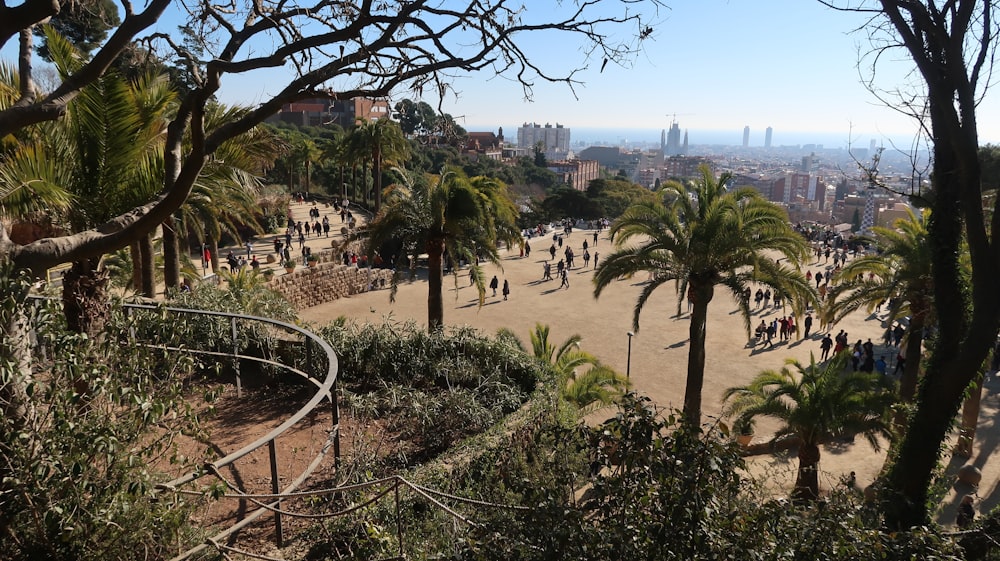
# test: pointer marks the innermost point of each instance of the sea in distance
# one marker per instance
(649, 138)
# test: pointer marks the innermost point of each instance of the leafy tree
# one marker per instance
(84, 23)
(701, 237)
(446, 214)
(816, 403)
(373, 63)
(566, 202)
(900, 273)
(78, 480)
(613, 196)
(952, 48)
(415, 117)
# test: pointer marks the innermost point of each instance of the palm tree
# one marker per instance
(439, 215)
(106, 153)
(596, 387)
(900, 273)
(700, 237)
(383, 142)
(815, 403)
(224, 197)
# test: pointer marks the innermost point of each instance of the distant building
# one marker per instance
(485, 144)
(684, 167)
(746, 136)
(672, 147)
(577, 174)
(767, 137)
(320, 111)
(610, 157)
(554, 140)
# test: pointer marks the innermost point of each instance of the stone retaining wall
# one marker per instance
(311, 286)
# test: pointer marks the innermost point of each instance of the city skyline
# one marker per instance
(720, 65)
(714, 66)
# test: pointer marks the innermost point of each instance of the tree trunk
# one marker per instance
(15, 345)
(970, 419)
(914, 342)
(133, 249)
(435, 283)
(213, 247)
(964, 339)
(85, 297)
(961, 345)
(377, 179)
(807, 478)
(148, 268)
(343, 185)
(307, 178)
(171, 254)
(702, 294)
(914, 350)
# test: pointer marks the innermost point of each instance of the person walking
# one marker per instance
(506, 289)
(825, 345)
(249, 247)
(494, 283)
(807, 324)
(565, 279)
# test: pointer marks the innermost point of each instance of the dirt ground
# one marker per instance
(655, 358)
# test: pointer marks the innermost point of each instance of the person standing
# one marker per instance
(506, 289)
(966, 513)
(494, 283)
(807, 324)
(595, 259)
(249, 247)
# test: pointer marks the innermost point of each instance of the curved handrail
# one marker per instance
(326, 389)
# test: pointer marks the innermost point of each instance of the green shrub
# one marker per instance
(76, 481)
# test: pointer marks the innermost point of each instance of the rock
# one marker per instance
(970, 474)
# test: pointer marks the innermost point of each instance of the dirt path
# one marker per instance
(656, 356)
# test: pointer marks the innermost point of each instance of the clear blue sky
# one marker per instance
(718, 65)
(721, 65)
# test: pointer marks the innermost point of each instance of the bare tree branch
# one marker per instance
(333, 48)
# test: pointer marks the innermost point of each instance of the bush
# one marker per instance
(435, 389)
(76, 481)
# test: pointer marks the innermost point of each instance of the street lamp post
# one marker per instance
(628, 360)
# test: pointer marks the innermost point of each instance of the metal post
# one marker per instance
(399, 520)
(279, 537)
(628, 361)
(236, 358)
(308, 369)
(335, 403)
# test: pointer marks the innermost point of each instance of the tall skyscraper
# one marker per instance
(673, 140)
(767, 137)
(746, 136)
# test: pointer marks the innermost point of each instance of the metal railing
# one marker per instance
(326, 390)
